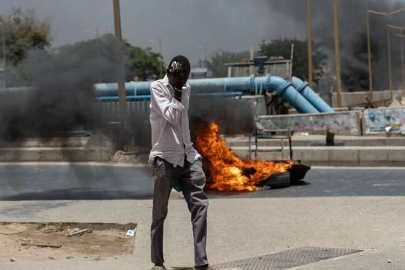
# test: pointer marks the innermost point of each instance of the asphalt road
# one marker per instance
(44, 181)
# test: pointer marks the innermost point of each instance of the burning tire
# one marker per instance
(278, 180)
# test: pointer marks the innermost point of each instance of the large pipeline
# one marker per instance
(304, 100)
(311, 96)
(250, 84)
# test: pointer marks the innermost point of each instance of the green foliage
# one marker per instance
(219, 60)
(282, 47)
(19, 75)
(143, 64)
(23, 32)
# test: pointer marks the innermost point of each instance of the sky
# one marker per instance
(232, 25)
(229, 25)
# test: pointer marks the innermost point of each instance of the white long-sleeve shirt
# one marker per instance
(170, 124)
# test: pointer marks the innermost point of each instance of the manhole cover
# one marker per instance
(288, 259)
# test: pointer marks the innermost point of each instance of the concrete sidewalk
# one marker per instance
(310, 140)
(238, 228)
(349, 151)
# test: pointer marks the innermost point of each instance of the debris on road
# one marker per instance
(79, 233)
(50, 241)
(131, 233)
(43, 245)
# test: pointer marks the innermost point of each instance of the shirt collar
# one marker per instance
(166, 81)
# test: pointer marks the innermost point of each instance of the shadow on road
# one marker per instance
(77, 194)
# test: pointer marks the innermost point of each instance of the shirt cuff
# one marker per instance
(175, 104)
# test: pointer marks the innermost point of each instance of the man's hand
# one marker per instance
(177, 94)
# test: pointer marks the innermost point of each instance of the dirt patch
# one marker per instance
(51, 241)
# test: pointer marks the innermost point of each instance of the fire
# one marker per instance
(225, 170)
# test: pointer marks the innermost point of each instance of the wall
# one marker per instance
(382, 121)
(350, 99)
(342, 123)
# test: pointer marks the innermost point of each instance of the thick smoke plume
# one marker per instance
(61, 96)
(353, 37)
(233, 116)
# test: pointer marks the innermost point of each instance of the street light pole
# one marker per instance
(310, 67)
(389, 58)
(205, 48)
(370, 69)
(97, 35)
(387, 15)
(337, 56)
(121, 75)
(401, 29)
(3, 37)
(160, 43)
(98, 44)
(402, 60)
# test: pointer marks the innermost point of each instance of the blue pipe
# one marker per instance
(131, 89)
(115, 98)
(291, 95)
(239, 84)
(147, 97)
(311, 96)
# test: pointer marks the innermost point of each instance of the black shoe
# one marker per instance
(204, 267)
(159, 267)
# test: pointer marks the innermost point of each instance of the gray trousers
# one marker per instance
(192, 180)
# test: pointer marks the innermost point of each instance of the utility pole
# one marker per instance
(310, 67)
(121, 75)
(370, 69)
(160, 42)
(205, 48)
(389, 58)
(401, 29)
(97, 35)
(403, 64)
(386, 14)
(337, 56)
(252, 56)
(3, 37)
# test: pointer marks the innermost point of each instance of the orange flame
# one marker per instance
(225, 170)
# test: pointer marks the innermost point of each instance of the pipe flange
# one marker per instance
(302, 87)
(284, 87)
(268, 81)
(252, 83)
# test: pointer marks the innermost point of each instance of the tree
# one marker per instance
(23, 32)
(218, 61)
(282, 47)
(143, 64)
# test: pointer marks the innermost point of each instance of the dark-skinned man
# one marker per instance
(175, 160)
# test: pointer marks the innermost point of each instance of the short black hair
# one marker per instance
(183, 60)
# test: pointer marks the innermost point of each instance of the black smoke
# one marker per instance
(61, 95)
(233, 116)
(353, 37)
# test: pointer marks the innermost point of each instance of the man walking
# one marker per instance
(175, 160)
